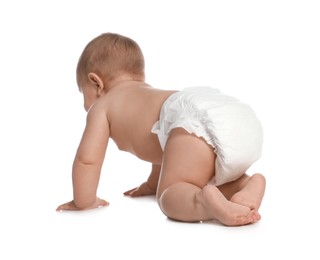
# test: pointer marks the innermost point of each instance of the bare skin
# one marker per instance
(125, 111)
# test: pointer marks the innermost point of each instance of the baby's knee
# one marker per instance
(159, 197)
(165, 202)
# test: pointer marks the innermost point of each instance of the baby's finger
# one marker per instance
(137, 193)
(67, 206)
(103, 203)
(128, 193)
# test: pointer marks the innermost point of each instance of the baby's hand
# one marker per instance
(71, 205)
(143, 190)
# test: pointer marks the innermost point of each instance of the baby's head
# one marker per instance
(109, 56)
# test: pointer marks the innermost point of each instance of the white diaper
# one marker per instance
(226, 124)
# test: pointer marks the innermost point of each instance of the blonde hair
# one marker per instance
(109, 55)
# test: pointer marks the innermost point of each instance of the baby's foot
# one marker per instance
(227, 212)
(251, 194)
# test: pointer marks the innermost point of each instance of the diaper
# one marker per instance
(229, 126)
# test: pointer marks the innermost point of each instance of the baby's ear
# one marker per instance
(94, 78)
(96, 81)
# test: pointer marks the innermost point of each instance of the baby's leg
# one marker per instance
(183, 193)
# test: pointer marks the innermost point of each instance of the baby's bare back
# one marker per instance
(132, 109)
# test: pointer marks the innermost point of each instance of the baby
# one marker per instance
(199, 141)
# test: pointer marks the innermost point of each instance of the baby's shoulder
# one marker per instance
(99, 108)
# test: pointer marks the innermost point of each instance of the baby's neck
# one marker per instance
(124, 80)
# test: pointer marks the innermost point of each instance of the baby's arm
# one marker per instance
(149, 187)
(88, 162)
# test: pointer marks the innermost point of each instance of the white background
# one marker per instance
(266, 53)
